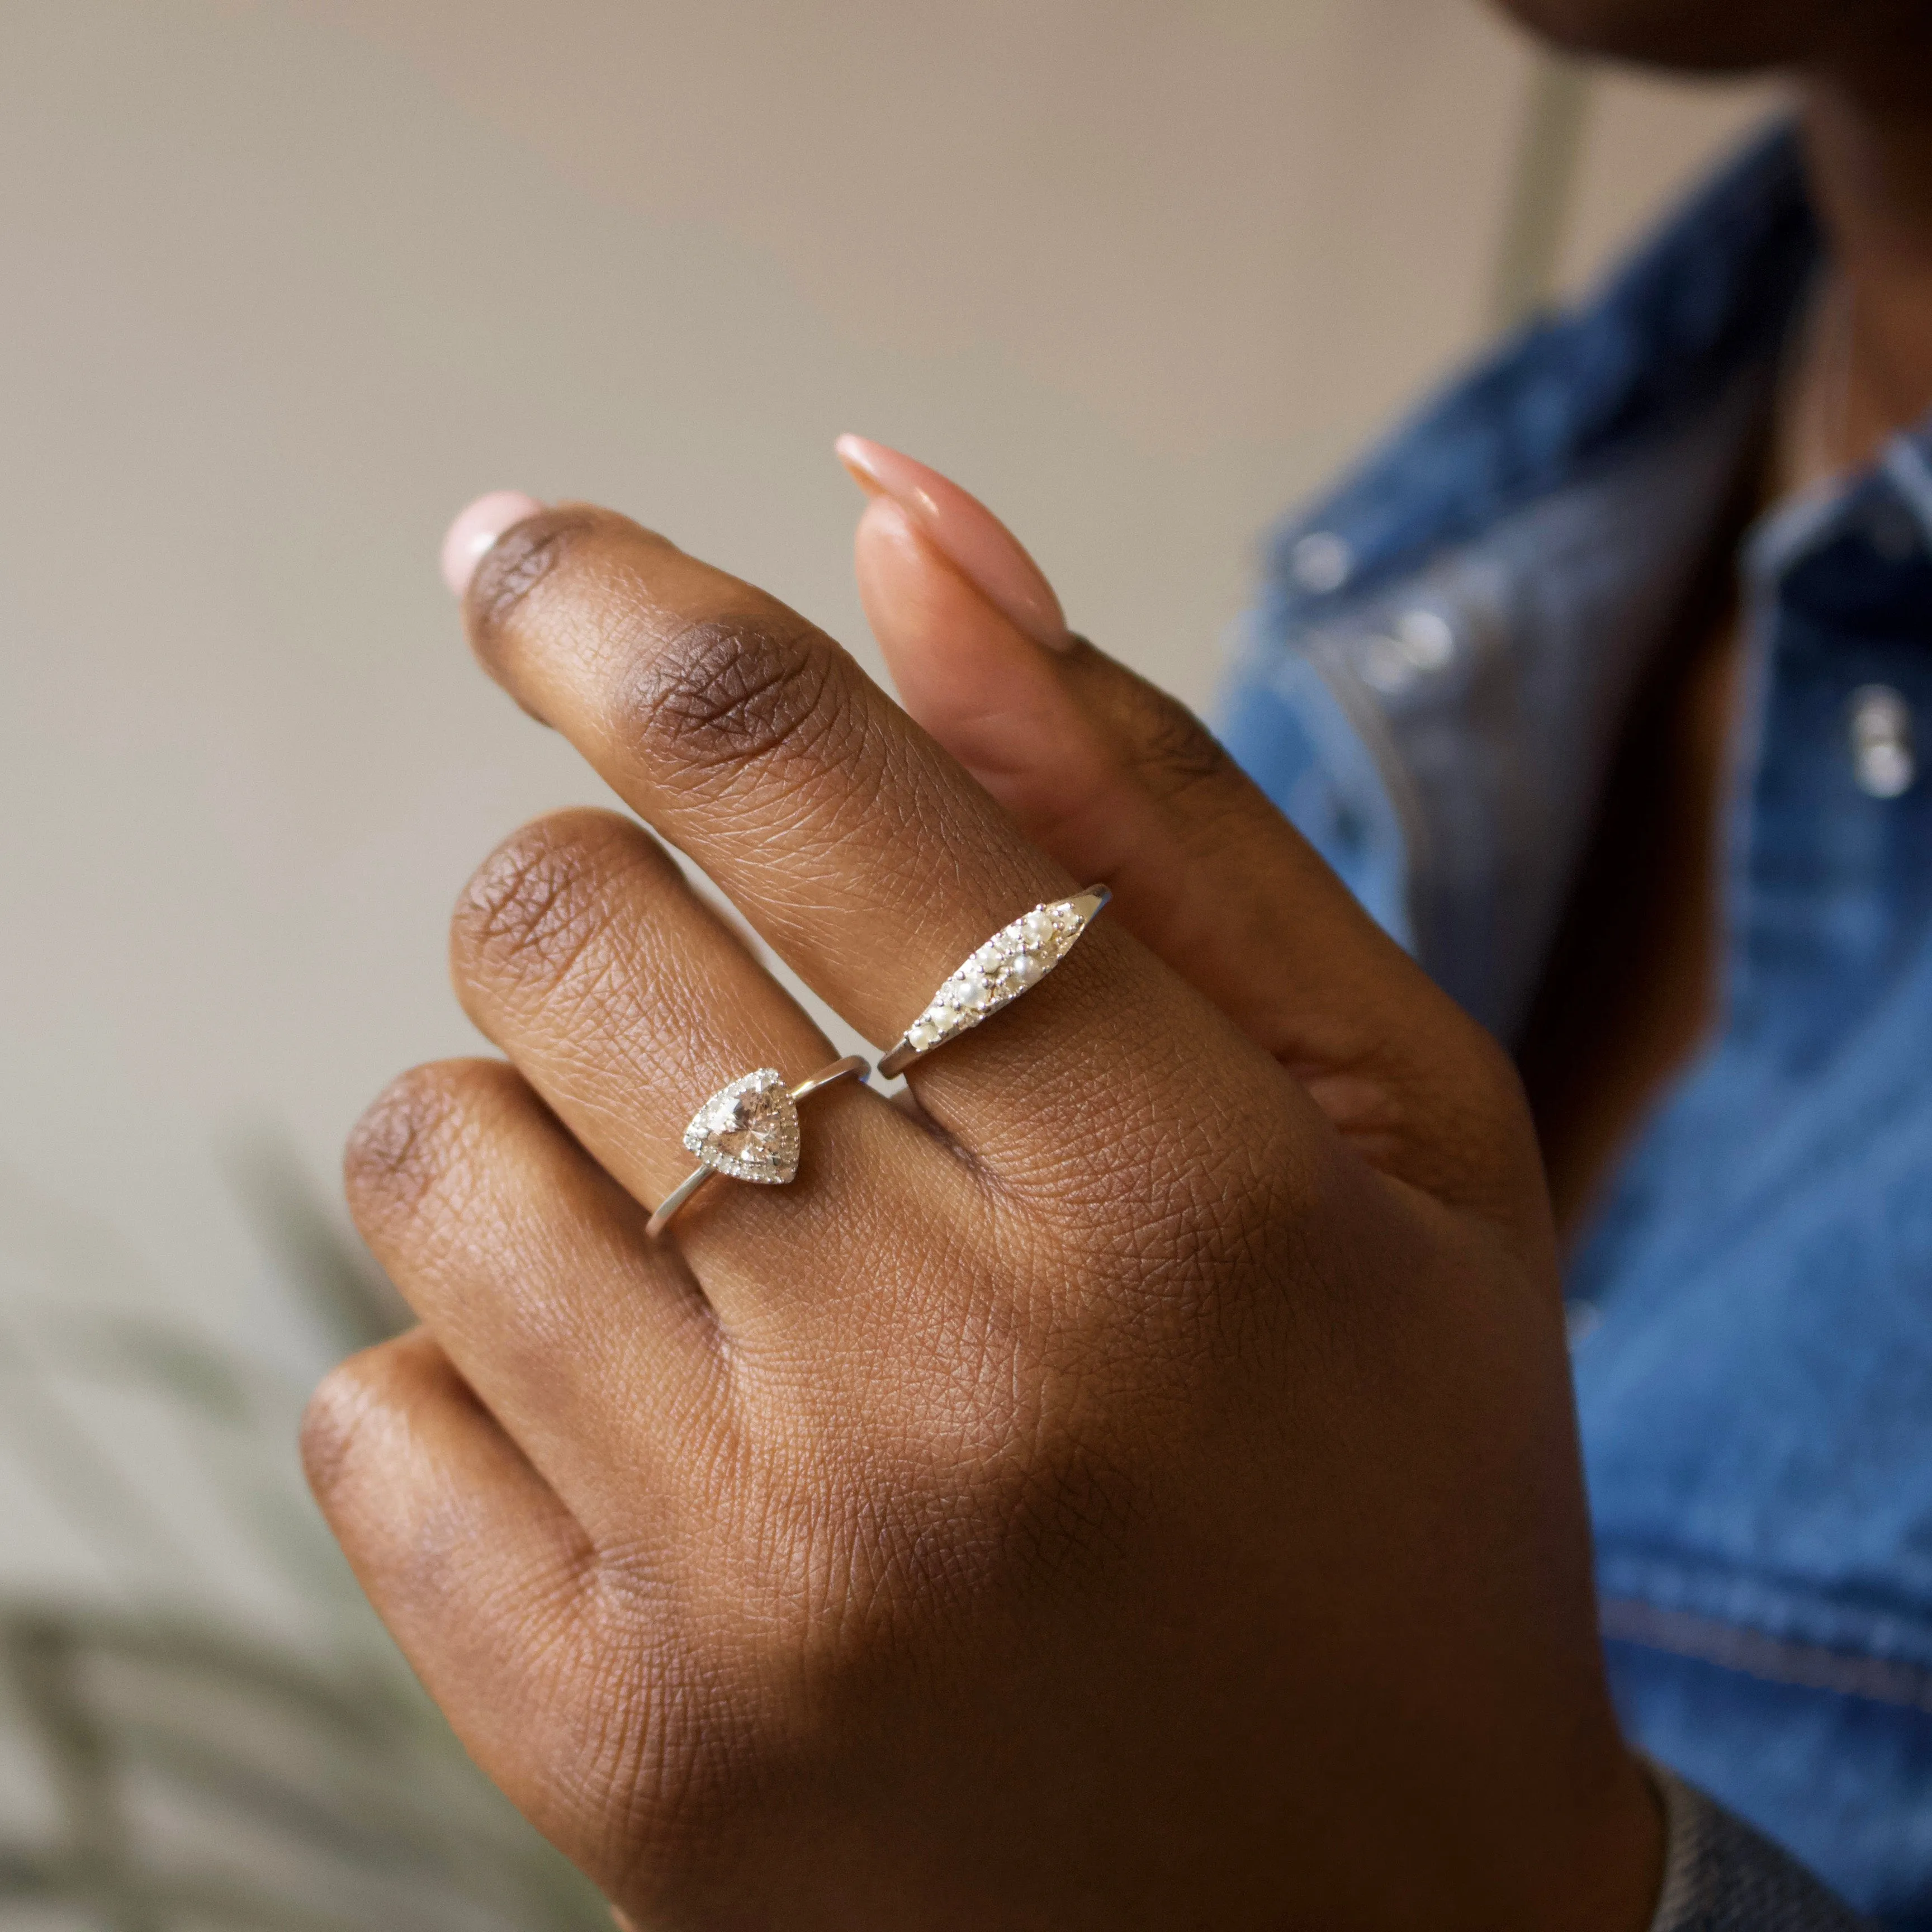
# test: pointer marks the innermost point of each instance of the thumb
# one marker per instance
(1120, 783)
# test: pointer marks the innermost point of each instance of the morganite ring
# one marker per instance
(748, 1129)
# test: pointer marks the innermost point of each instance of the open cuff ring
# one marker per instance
(1016, 957)
(749, 1130)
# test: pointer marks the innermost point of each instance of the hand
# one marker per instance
(1136, 1487)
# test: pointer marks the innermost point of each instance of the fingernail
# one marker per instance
(979, 546)
(476, 528)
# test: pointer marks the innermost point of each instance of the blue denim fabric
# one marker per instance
(1721, 1876)
(1431, 688)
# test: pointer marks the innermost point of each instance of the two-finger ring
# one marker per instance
(1016, 957)
(748, 1129)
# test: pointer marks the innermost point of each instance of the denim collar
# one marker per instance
(1462, 621)
(1708, 300)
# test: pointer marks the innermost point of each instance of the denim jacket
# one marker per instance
(1432, 688)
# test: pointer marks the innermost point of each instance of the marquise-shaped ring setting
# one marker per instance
(749, 1130)
(1017, 957)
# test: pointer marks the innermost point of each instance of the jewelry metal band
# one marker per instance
(749, 1130)
(1016, 957)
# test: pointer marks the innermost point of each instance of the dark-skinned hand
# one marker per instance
(1135, 1486)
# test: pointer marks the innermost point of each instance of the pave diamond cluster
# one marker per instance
(1016, 957)
(748, 1129)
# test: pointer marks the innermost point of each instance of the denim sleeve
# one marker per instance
(1719, 1876)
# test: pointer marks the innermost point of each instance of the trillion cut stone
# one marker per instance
(748, 1129)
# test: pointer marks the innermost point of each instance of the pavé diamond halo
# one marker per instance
(1016, 957)
(749, 1128)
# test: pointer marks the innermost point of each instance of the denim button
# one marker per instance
(1419, 642)
(1427, 639)
(1321, 561)
(1883, 762)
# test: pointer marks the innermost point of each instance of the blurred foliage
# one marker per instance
(165, 1764)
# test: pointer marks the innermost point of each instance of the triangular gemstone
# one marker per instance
(748, 1129)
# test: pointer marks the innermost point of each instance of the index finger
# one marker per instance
(870, 859)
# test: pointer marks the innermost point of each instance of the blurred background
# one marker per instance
(286, 282)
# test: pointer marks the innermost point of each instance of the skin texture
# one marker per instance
(1137, 1487)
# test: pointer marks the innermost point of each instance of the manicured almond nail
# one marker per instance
(968, 534)
(476, 528)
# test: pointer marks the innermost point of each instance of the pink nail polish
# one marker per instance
(476, 528)
(972, 538)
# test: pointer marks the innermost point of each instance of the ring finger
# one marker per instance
(625, 1001)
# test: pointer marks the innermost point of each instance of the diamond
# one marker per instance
(748, 1129)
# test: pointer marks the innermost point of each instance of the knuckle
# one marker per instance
(517, 562)
(1494, 1076)
(1172, 745)
(728, 691)
(405, 1148)
(1496, 1139)
(533, 908)
(1159, 738)
(338, 1414)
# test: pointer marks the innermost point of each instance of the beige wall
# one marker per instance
(288, 281)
